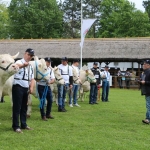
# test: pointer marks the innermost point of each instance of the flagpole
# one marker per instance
(81, 36)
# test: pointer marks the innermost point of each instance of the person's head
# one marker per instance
(29, 53)
(76, 62)
(106, 67)
(48, 61)
(95, 65)
(64, 61)
(146, 64)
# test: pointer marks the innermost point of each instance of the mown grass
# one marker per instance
(115, 125)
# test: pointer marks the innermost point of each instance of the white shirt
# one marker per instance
(52, 76)
(77, 70)
(65, 72)
(21, 77)
(107, 74)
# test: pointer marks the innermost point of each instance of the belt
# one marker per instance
(18, 85)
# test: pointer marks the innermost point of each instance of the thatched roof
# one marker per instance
(98, 49)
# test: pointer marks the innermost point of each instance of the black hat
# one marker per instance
(64, 58)
(106, 66)
(95, 63)
(147, 62)
(48, 59)
(30, 51)
(76, 60)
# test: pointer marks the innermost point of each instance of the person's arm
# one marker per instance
(31, 86)
(70, 77)
(22, 65)
(52, 78)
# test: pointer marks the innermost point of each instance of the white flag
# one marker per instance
(86, 25)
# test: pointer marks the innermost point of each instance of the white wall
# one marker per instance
(122, 65)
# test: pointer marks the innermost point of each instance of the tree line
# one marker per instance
(51, 19)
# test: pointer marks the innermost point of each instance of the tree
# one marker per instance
(120, 18)
(35, 19)
(146, 5)
(91, 10)
(72, 16)
(4, 21)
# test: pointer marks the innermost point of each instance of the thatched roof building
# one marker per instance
(114, 49)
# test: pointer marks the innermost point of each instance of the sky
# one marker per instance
(138, 3)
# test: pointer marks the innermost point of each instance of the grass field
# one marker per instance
(115, 125)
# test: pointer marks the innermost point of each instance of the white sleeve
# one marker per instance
(18, 62)
(52, 75)
(70, 71)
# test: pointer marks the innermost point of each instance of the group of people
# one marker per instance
(23, 85)
(103, 77)
(126, 77)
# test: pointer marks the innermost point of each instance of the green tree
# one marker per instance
(4, 21)
(146, 5)
(35, 19)
(91, 10)
(120, 18)
(72, 16)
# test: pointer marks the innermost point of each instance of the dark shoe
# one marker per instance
(91, 103)
(44, 118)
(64, 110)
(49, 117)
(146, 121)
(96, 103)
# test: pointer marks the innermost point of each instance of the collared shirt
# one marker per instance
(52, 76)
(24, 75)
(65, 71)
(107, 74)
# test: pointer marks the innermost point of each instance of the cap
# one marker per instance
(76, 60)
(147, 61)
(30, 51)
(95, 63)
(48, 59)
(64, 58)
(106, 66)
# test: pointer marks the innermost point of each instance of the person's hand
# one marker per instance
(30, 90)
(25, 64)
(70, 86)
(142, 82)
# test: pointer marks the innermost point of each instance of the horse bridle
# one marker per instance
(5, 69)
(38, 72)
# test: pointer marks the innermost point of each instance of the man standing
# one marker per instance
(94, 86)
(41, 87)
(66, 72)
(105, 84)
(22, 85)
(127, 79)
(74, 92)
(145, 89)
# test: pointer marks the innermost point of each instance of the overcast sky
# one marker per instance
(138, 3)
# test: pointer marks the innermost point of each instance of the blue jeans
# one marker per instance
(105, 90)
(148, 107)
(62, 90)
(73, 94)
(49, 100)
(93, 93)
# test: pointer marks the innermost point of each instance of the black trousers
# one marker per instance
(20, 99)
(49, 100)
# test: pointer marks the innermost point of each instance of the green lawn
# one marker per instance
(115, 125)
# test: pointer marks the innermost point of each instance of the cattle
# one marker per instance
(40, 72)
(7, 68)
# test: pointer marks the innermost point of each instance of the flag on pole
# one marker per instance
(86, 25)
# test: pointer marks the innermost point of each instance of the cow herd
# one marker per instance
(8, 69)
